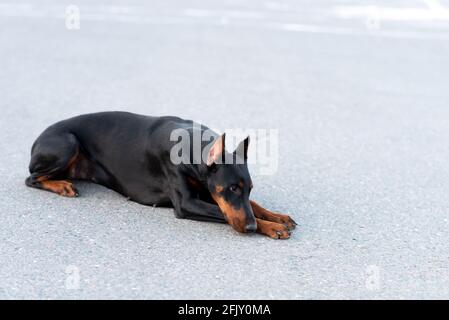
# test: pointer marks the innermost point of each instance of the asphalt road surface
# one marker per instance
(357, 91)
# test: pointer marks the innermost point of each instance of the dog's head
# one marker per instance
(230, 184)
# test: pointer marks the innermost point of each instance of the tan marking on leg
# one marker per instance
(265, 214)
(61, 187)
(43, 178)
(272, 229)
(195, 184)
(71, 167)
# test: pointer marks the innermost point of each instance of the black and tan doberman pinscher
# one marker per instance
(131, 154)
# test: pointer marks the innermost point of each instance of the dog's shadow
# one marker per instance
(90, 190)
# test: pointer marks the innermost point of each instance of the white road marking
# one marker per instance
(252, 19)
(223, 14)
(276, 6)
(198, 13)
(360, 32)
(436, 12)
(434, 5)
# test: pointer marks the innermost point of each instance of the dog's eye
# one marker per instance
(234, 188)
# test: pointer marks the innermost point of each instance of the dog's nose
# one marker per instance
(252, 227)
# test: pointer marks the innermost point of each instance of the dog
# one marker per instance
(131, 154)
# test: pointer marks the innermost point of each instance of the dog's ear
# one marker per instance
(216, 151)
(242, 149)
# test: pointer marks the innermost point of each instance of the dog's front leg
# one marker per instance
(188, 206)
(196, 209)
(267, 215)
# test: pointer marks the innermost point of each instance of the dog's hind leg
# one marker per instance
(52, 156)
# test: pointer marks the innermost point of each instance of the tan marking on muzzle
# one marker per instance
(236, 218)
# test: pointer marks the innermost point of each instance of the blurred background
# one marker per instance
(357, 89)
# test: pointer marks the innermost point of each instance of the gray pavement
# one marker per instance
(360, 99)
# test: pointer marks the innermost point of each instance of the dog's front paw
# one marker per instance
(287, 221)
(272, 229)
